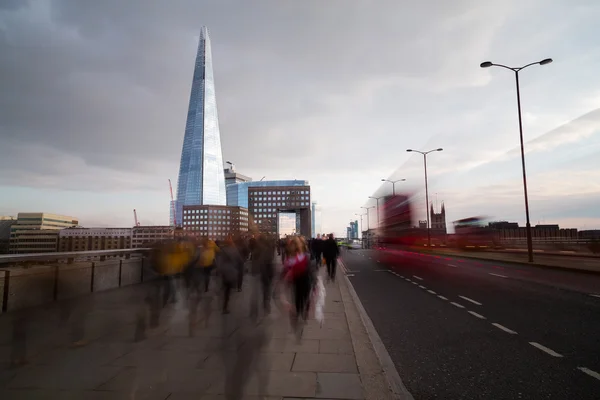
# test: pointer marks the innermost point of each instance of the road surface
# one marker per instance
(471, 329)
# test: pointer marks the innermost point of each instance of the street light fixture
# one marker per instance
(393, 184)
(426, 189)
(377, 198)
(516, 70)
(367, 211)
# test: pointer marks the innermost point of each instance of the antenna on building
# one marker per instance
(262, 179)
(135, 218)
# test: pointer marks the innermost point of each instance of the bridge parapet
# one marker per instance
(30, 280)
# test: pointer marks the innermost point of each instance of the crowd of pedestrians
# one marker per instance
(187, 267)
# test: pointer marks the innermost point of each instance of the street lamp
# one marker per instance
(516, 70)
(377, 198)
(367, 211)
(426, 189)
(393, 184)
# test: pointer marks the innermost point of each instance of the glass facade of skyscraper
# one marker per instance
(201, 177)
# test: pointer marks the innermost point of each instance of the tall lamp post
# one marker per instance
(516, 70)
(393, 184)
(426, 189)
(368, 225)
(360, 228)
(377, 199)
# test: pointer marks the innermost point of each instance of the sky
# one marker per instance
(94, 96)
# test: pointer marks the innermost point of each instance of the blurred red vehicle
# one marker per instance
(397, 231)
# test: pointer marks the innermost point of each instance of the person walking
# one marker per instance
(331, 251)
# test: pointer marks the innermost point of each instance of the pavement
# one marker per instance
(573, 262)
(178, 360)
(458, 328)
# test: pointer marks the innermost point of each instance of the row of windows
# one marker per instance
(212, 222)
(278, 192)
(211, 211)
(284, 204)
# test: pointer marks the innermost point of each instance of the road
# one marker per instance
(471, 329)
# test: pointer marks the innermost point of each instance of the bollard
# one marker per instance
(55, 294)
(120, 271)
(6, 292)
(92, 278)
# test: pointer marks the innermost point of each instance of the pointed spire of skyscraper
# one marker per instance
(201, 177)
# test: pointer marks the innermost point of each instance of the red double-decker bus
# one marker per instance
(396, 228)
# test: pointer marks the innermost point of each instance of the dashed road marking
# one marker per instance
(452, 265)
(431, 291)
(505, 329)
(545, 349)
(595, 295)
(350, 275)
(588, 371)
(422, 287)
(382, 270)
(401, 276)
(470, 300)
(476, 315)
(498, 275)
(442, 297)
(457, 305)
(417, 277)
(414, 283)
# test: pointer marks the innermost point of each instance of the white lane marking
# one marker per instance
(471, 300)
(545, 349)
(349, 274)
(477, 315)
(414, 283)
(390, 271)
(378, 261)
(442, 297)
(422, 287)
(595, 295)
(588, 371)
(457, 305)
(382, 270)
(501, 276)
(452, 265)
(431, 291)
(505, 329)
(401, 276)
(417, 277)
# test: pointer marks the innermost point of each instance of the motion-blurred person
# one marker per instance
(317, 249)
(263, 270)
(229, 261)
(208, 259)
(297, 267)
(331, 251)
(244, 250)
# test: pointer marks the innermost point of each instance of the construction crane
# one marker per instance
(173, 209)
(135, 218)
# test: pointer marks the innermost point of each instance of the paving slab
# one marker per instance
(215, 357)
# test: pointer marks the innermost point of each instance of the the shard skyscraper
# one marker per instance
(201, 177)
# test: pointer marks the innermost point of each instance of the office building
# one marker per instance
(201, 176)
(37, 232)
(92, 239)
(237, 193)
(266, 203)
(354, 230)
(5, 224)
(214, 222)
(438, 221)
(145, 236)
(316, 219)
(232, 176)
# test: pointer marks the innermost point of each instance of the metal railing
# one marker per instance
(29, 280)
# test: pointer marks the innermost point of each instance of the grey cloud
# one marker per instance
(109, 81)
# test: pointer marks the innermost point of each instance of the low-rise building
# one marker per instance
(37, 232)
(215, 222)
(91, 239)
(5, 224)
(145, 236)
